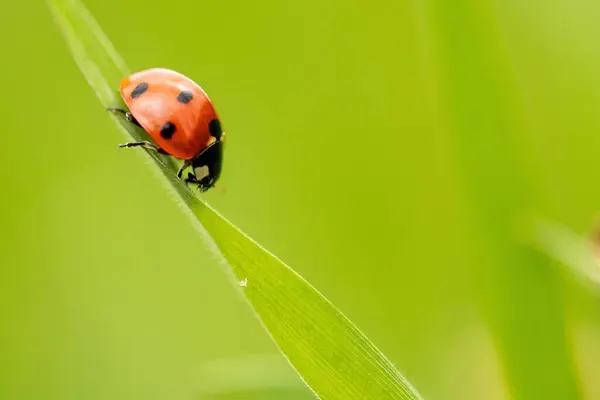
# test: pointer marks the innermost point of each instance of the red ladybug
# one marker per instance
(180, 119)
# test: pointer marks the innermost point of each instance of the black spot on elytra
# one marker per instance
(214, 127)
(185, 97)
(139, 90)
(167, 130)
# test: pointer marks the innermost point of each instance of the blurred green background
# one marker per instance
(385, 150)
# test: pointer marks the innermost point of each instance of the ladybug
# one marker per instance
(180, 119)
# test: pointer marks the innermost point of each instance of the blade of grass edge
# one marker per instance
(568, 249)
(330, 354)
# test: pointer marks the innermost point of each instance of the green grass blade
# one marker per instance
(569, 249)
(331, 355)
(515, 289)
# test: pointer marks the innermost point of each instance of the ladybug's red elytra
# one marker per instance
(180, 119)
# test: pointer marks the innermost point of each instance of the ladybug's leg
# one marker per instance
(185, 164)
(127, 114)
(131, 119)
(203, 184)
(191, 178)
(148, 145)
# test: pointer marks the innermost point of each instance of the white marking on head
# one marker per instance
(201, 172)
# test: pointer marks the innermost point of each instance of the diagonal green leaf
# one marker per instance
(569, 249)
(331, 355)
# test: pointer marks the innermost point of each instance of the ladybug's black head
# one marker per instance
(207, 165)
